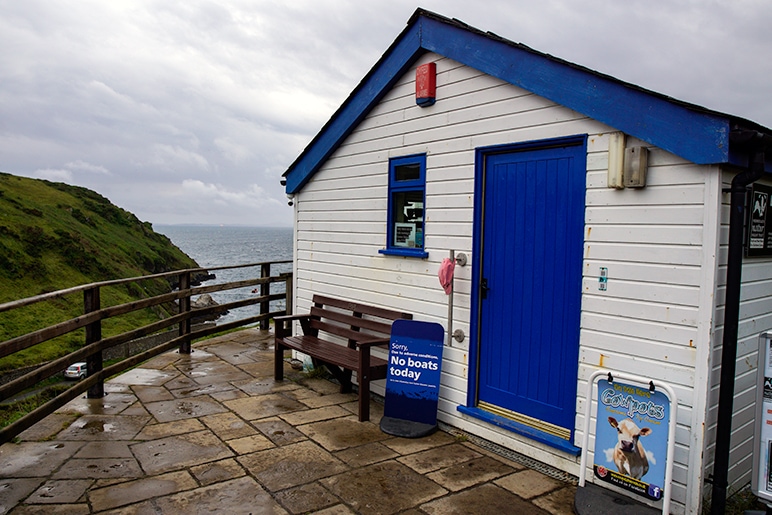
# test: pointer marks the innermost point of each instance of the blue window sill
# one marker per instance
(522, 429)
(414, 253)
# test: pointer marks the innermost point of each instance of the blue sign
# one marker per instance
(631, 438)
(413, 378)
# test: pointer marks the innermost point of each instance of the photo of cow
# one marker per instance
(631, 437)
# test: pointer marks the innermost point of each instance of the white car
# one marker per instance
(76, 371)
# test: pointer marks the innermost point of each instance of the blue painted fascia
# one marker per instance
(394, 63)
(691, 132)
(700, 137)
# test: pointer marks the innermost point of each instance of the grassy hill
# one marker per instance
(55, 236)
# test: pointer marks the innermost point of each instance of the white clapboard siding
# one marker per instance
(653, 319)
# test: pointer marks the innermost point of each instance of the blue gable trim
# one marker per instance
(686, 130)
(389, 69)
(700, 137)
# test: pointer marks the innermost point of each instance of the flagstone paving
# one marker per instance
(212, 432)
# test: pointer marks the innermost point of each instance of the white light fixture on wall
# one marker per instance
(636, 163)
(616, 156)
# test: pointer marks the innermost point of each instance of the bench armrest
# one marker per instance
(374, 343)
(282, 327)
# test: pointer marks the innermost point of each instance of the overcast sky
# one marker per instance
(187, 111)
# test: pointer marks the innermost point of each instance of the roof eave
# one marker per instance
(689, 131)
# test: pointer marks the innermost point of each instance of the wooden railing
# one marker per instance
(94, 344)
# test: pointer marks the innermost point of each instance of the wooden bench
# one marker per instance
(360, 326)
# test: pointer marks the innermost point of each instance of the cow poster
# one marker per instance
(631, 438)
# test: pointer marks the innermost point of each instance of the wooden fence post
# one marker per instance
(265, 291)
(185, 308)
(91, 302)
(288, 294)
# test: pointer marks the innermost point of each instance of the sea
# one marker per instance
(218, 245)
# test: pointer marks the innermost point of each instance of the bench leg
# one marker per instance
(341, 374)
(278, 361)
(364, 397)
(363, 377)
(345, 384)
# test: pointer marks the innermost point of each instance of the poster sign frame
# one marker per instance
(761, 484)
(759, 226)
(628, 404)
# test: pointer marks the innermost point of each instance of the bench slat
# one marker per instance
(360, 308)
(379, 327)
(330, 352)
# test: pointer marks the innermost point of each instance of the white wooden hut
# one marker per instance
(516, 161)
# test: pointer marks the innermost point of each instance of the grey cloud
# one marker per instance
(189, 111)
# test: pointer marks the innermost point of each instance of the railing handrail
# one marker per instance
(94, 345)
(6, 306)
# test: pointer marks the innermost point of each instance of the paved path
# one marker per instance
(214, 433)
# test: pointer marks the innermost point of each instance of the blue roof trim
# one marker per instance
(700, 137)
(689, 131)
(375, 85)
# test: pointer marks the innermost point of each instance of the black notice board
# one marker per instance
(759, 227)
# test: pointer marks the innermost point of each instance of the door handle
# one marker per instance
(484, 288)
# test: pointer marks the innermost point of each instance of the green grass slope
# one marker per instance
(54, 236)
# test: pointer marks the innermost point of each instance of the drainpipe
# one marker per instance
(757, 143)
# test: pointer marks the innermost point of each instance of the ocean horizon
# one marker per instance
(230, 245)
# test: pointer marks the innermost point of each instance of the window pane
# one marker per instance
(408, 172)
(408, 217)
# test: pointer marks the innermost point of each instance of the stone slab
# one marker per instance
(14, 490)
(253, 408)
(384, 488)
(470, 473)
(365, 454)
(176, 452)
(34, 459)
(438, 458)
(179, 409)
(155, 431)
(278, 431)
(228, 426)
(242, 496)
(412, 445)
(306, 416)
(104, 427)
(528, 483)
(48, 427)
(215, 371)
(135, 491)
(486, 498)
(145, 376)
(218, 471)
(342, 433)
(559, 502)
(308, 498)
(99, 468)
(65, 491)
(110, 404)
(291, 465)
(116, 449)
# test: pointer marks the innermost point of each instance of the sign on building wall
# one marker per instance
(631, 438)
(759, 229)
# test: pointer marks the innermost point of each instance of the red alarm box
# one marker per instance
(426, 84)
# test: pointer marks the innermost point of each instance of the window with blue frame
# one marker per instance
(407, 190)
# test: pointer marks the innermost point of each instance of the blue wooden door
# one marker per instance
(530, 283)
